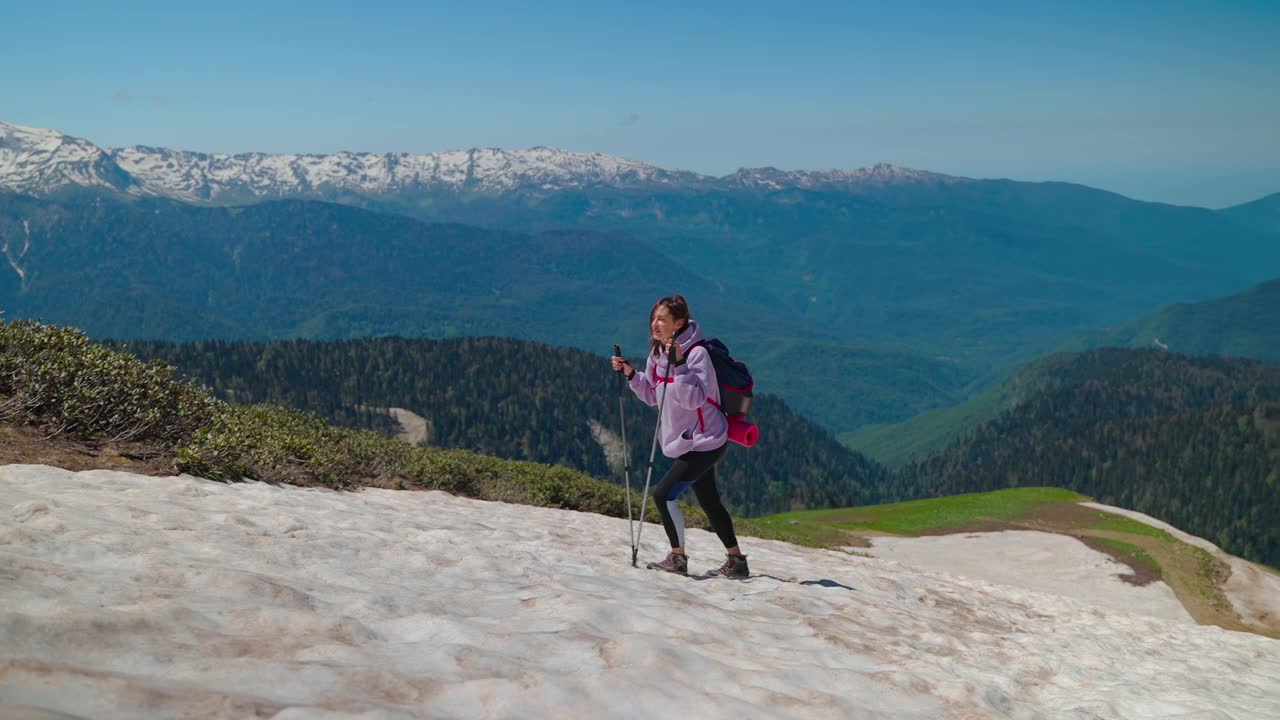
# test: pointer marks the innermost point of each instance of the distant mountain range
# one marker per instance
(41, 161)
(1245, 325)
(870, 295)
(1262, 214)
(155, 268)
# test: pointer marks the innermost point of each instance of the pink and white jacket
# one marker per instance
(689, 422)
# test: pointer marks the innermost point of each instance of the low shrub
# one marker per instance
(57, 377)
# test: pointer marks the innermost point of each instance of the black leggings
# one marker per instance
(699, 470)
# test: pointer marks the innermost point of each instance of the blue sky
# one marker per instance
(1172, 101)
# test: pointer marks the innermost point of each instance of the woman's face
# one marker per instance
(663, 326)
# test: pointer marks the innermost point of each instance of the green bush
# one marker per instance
(60, 379)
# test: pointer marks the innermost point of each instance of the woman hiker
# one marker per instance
(693, 431)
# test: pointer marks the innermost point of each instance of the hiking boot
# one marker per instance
(735, 566)
(675, 563)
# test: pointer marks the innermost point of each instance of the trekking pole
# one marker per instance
(626, 461)
(653, 450)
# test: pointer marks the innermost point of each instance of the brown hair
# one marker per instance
(679, 309)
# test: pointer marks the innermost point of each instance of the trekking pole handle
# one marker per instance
(617, 352)
(671, 355)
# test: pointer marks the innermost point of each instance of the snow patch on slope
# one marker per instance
(1253, 591)
(160, 597)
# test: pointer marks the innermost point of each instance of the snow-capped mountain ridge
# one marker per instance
(878, 174)
(39, 161)
(211, 176)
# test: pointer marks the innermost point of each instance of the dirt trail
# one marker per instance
(413, 427)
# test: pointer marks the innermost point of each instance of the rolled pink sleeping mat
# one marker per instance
(744, 433)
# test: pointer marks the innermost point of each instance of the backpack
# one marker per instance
(735, 392)
(734, 378)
